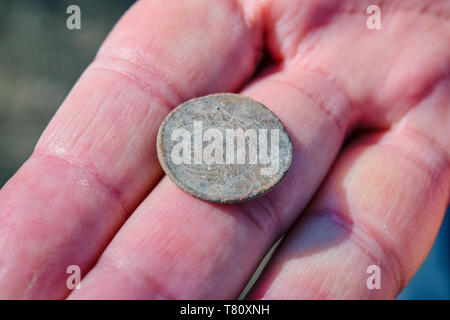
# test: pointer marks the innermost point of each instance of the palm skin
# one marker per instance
(93, 194)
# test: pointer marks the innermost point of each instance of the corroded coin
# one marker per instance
(224, 148)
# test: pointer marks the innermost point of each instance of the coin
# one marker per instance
(224, 148)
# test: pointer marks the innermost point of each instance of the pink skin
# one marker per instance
(89, 195)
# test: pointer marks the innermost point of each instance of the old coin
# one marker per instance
(224, 148)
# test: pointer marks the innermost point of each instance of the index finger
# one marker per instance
(96, 160)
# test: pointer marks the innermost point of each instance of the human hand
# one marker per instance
(94, 182)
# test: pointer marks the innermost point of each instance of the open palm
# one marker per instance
(93, 194)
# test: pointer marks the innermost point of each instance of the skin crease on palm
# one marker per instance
(93, 194)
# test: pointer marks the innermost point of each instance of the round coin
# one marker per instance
(224, 148)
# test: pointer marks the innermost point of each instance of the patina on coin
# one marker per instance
(224, 148)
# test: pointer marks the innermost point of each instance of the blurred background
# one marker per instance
(40, 60)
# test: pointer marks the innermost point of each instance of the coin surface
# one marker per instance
(224, 148)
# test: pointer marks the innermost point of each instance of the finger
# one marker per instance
(176, 246)
(96, 160)
(381, 205)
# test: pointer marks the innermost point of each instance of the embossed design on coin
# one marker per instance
(224, 148)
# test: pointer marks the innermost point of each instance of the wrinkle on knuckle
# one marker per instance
(141, 279)
(373, 244)
(424, 152)
(128, 63)
(45, 154)
(264, 213)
